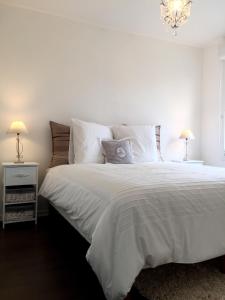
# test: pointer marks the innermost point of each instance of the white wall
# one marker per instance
(213, 104)
(53, 69)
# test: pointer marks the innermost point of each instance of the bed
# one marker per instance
(140, 215)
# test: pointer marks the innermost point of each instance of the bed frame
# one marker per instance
(64, 133)
(65, 216)
(133, 294)
(222, 264)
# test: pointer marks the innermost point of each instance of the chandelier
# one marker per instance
(175, 12)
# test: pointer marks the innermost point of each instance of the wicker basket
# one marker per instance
(19, 214)
(15, 196)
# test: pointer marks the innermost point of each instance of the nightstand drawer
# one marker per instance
(20, 176)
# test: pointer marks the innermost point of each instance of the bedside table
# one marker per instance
(20, 192)
(193, 162)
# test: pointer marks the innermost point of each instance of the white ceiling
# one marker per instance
(206, 24)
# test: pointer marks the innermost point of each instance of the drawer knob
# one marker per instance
(21, 175)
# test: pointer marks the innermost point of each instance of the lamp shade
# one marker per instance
(17, 127)
(187, 134)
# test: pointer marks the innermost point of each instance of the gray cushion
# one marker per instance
(118, 151)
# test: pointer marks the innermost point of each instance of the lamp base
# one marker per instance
(19, 150)
(186, 150)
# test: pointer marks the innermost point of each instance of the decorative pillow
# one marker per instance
(87, 139)
(60, 144)
(118, 151)
(143, 139)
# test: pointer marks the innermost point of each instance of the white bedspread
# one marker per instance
(141, 215)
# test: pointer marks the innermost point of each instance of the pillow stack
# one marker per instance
(95, 143)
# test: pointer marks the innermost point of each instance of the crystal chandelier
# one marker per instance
(175, 12)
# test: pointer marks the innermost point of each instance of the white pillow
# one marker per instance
(143, 139)
(87, 139)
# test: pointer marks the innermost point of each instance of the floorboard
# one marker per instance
(45, 262)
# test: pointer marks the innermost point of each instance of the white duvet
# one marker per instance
(141, 215)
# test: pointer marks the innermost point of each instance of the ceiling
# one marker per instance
(207, 22)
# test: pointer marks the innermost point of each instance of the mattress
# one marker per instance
(141, 215)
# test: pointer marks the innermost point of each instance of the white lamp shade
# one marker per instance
(17, 127)
(187, 134)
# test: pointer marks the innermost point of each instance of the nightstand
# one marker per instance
(192, 162)
(20, 192)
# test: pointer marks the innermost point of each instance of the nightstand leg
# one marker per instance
(3, 209)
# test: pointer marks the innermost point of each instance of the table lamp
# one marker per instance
(18, 127)
(187, 135)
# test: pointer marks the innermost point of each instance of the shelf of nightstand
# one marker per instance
(20, 221)
(18, 203)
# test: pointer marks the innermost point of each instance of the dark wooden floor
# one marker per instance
(46, 262)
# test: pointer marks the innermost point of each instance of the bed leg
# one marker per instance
(51, 211)
(128, 297)
(134, 295)
(222, 264)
